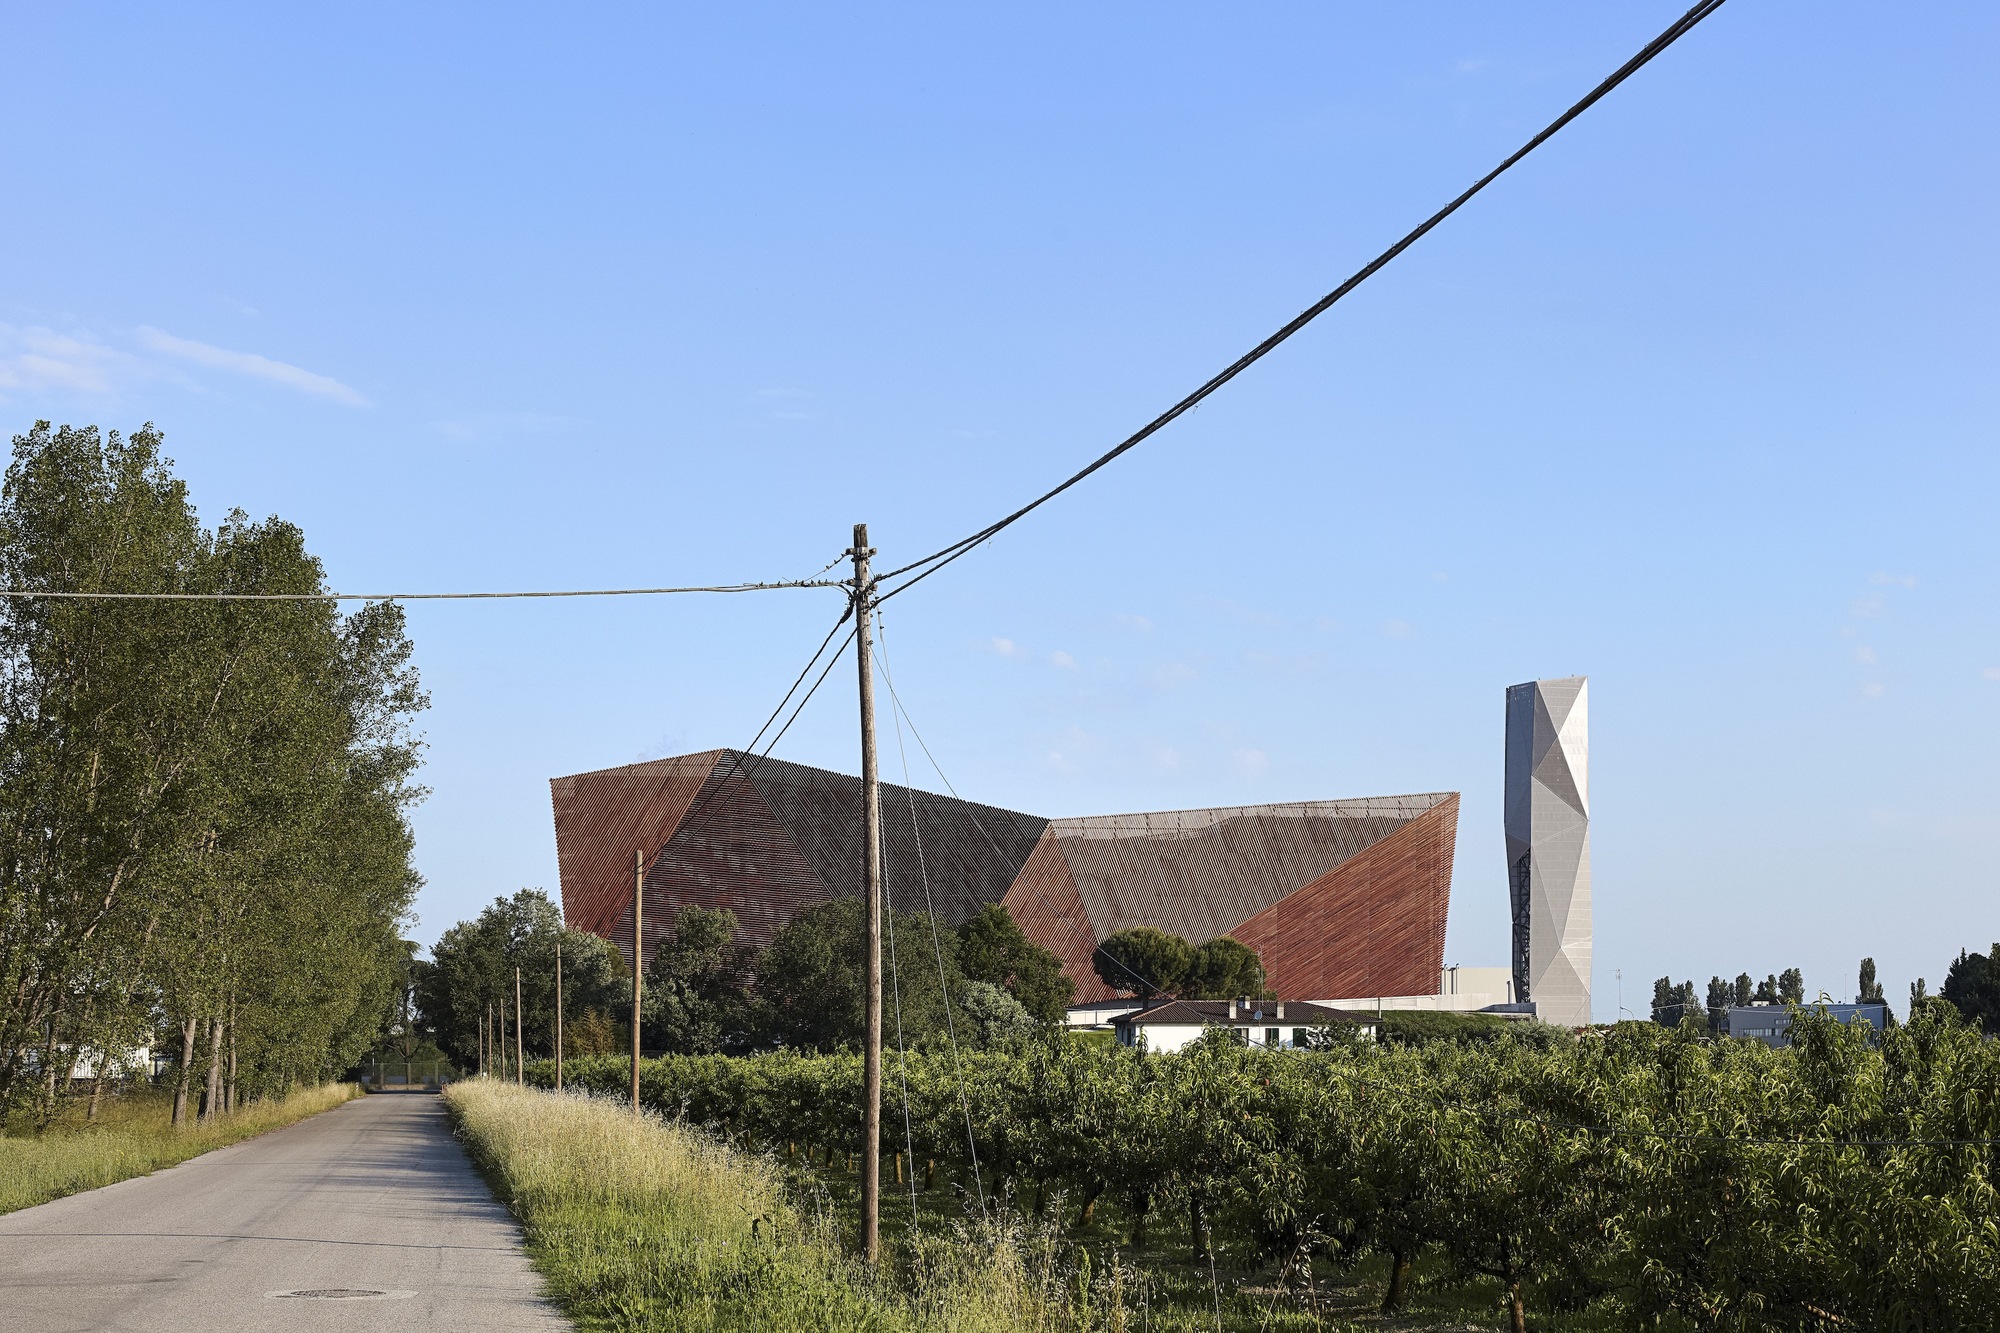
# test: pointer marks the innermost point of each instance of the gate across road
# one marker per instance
(405, 1075)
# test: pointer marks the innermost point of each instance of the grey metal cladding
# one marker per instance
(1547, 817)
(1200, 873)
(968, 853)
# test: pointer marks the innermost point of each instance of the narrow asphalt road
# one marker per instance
(372, 1197)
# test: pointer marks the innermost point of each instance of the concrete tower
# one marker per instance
(1548, 845)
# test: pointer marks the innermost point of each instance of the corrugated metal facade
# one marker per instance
(1339, 897)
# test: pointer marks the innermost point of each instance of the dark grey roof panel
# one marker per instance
(969, 853)
(1199, 873)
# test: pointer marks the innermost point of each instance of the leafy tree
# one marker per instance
(809, 993)
(1418, 1027)
(1143, 960)
(1973, 988)
(1663, 1000)
(206, 844)
(1745, 989)
(591, 1033)
(1767, 991)
(993, 948)
(1869, 990)
(1223, 969)
(1720, 993)
(472, 973)
(1792, 986)
(696, 998)
(997, 1018)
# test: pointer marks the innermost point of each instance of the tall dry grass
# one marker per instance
(134, 1137)
(639, 1223)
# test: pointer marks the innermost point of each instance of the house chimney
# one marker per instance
(1232, 1011)
(1281, 1009)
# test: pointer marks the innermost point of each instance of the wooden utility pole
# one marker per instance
(871, 868)
(559, 1050)
(485, 1021)
(520, 1074)
(638, 963)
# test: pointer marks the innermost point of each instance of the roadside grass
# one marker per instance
(132, 1137)
(649, 1224)
(639, 1223)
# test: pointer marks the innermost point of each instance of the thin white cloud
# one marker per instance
(249, 364)
(1005, 647)
(1062, 659)
(1991, 673)
(35, 358)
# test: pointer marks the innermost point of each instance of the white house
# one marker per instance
(1274, 1024)
(1102, 1013)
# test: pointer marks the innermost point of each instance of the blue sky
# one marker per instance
(1700, 402)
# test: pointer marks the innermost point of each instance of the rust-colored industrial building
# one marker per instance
(1338, 897)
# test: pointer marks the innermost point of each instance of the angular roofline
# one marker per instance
(645, 764)
(1432, 798)
(1435, 798)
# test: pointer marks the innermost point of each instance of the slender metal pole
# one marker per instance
(520, 1069)
(559, 1046)
(871, 819)
(638, 962)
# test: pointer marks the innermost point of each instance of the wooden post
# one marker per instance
(559, 1046)
(520, 1072)
(638, 962)
(871, 867)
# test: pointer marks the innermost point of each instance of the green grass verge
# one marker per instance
(640, 1223)
(132, 1137)
(643, 1224)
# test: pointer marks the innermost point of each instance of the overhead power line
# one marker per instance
(24, 594)
(937, 560)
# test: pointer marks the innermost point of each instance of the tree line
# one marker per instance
(1651, 1176)
(203, 845)
(1972, 986)
(984, 983)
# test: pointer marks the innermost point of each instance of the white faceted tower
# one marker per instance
(1548, 845)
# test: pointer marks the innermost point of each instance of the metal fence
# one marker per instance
(384, 1075)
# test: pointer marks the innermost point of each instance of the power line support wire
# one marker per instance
(930, 564)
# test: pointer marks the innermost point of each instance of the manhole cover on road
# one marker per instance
(339, 1294)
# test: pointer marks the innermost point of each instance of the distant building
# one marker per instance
(1277, 1025)
(1337, 897)
(1772, 1023)
(1547, 797)
(1102, 1013)
(1461, 990)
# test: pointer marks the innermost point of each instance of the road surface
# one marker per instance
(373, 1197)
